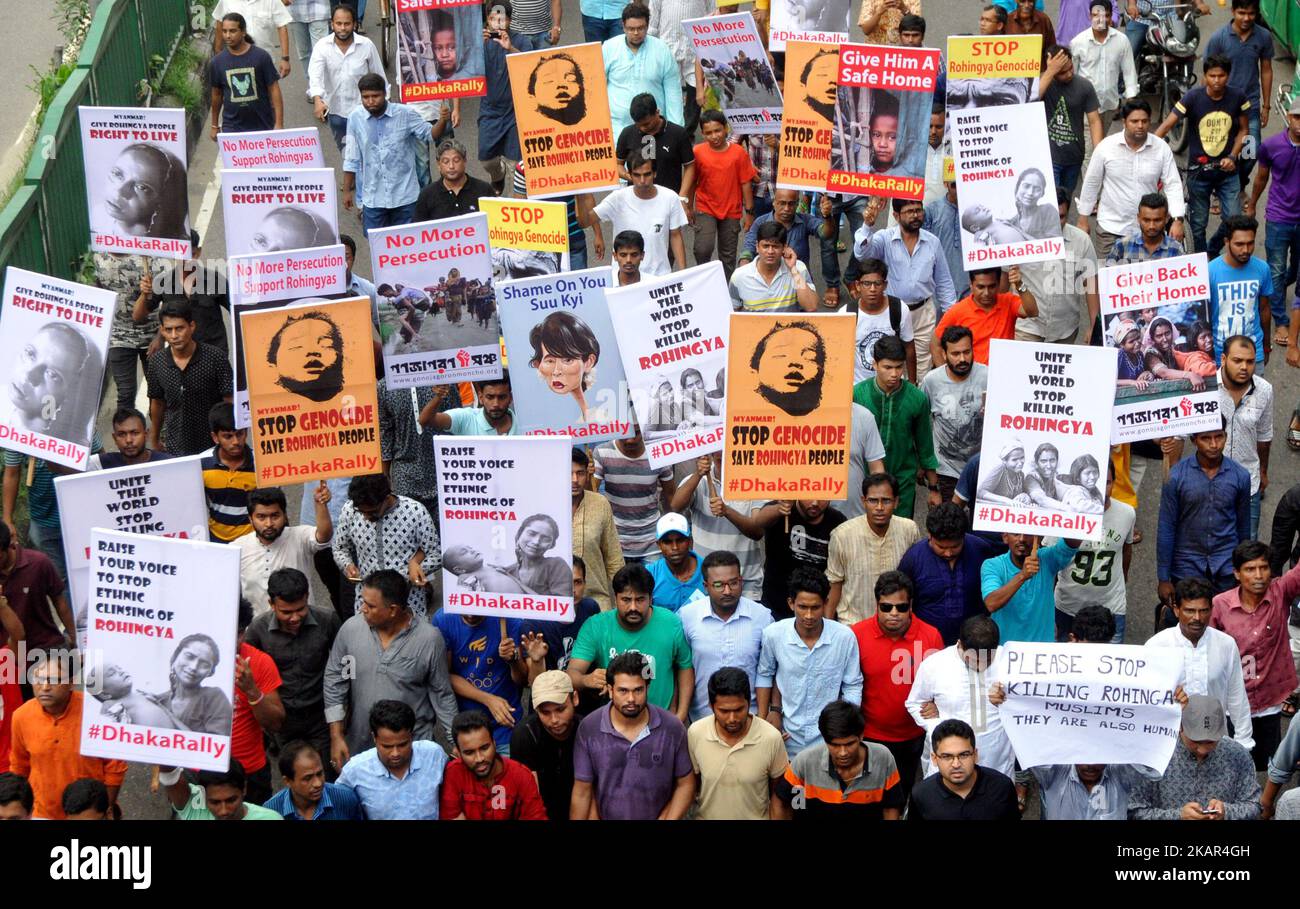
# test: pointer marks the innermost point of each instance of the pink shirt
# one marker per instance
(1263, 639)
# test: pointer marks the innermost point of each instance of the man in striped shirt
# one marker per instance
(636, 493)
(228, 475)
(776, 281)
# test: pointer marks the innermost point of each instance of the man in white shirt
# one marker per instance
(1064, 287)
(1246, 400)
(1125, 166)
(655, 212)
(267, 25)
(337, 62)
(1211, 660)
(274, 545)
(955, 684)
(1101, 55)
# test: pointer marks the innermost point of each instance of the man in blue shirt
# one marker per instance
(945, 570)
(1019, 587)
(1240, 286)
(399, 779)
(495, 414)
(1250, 51)
(941, 220)
(601, 19)
(380, 155)
(678, 575)
(357, 285)
(635, 62)
(306, 796)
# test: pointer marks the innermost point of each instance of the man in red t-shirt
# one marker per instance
(987, 313)
(480, 785)
(257, 709)
(724, 192)
(891, 644)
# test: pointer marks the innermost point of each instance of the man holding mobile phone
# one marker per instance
(1209, 778)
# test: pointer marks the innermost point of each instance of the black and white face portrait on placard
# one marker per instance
(46, 392)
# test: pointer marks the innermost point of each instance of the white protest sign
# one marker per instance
(161, 631)
(1155, 315)
(1046, 440)
(826, 22)
(271, 148)
(272, 210)
(54, 336)
(736, 67)
(160, 498)
(270, 280)
(1090, 703)
(507, 525)
(672, 334)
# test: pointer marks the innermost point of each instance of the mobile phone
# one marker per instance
(494, 35)
(1211, 811)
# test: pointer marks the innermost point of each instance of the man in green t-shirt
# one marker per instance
(217, 797)
(635, 625)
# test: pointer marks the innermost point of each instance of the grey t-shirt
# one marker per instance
(957, 415)
(865, 446)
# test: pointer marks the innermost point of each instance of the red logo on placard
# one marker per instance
(462, 357)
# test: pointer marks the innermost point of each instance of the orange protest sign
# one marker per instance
(562, 108)
(314, 408)
(809, 92)
(789, 403)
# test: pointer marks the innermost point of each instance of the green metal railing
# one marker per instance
(45, 226)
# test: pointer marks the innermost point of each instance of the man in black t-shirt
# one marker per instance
(1216, 129)
(673, 154)
(544, 742)
(205, 290)
(245, 84)
(1067, 100)
(798, 533)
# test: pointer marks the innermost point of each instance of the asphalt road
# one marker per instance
(944, 17)
(40, 38)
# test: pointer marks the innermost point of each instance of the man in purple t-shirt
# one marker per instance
(1279, 157)
(630, 759)
(30, 582)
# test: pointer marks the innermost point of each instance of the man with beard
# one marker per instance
(1063, 287)
(455, 192)
(798, 533)
(635, 62)
(544, 741)
(678, 575)
(956, 392)
(557, 88)
(399, 779)
(789, 364)
(494, 415)
(307, 352)
(1019, 586)
(381, 156)
(273, 545)
(631, 761)
(903, 410)
(481, 785)
(776, 281)
(865, 547)
(131, 436)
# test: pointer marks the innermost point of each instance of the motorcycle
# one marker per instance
(1166, 64)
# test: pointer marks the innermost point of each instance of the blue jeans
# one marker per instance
(594, 29)
(578, 260)
(339, 128)
(1256, 500)
(304, 36)
(1281, 239)
(542, 40)
(851, 207)
(373, 218)
(762, 206)
(49, 540)
(1202, 183)
(1067, 176)
(1119, 630)
(1137, 33)
(358, 5)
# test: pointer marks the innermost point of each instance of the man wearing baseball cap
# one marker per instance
(677, 574)
(544, 742)
(1209, 778)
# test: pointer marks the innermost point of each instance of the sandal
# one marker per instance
(1293, 431)
(1137, 537)
(1291, 704)
(1280, 338)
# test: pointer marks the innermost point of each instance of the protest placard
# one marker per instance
(160, 681)
(440, 49)
(988, 71)
(1155, 315)
(1006, 195)
(562, 109)
(797, 20)
(788, 406)
(559, 327)
(270, 280)
(1094, 704)
(161, 498)
(136, 183)
(672, 337)
(528, 237)
(882, 120)
(270, 211)
(271, 148)
(1043, 408)
(313, 403)
(507, 526)
(736, 67)
(804, 155)
(437, 309)
(54, 336)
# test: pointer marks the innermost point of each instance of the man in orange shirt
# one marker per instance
(987, 313)
(46, 744)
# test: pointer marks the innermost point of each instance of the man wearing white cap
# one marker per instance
(677, 575)
(544, 742)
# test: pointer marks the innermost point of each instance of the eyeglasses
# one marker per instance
(877, 502)
(890, 607)
(955, 758)
(728, 585)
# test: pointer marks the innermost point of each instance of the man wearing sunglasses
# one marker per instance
(891, 644)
